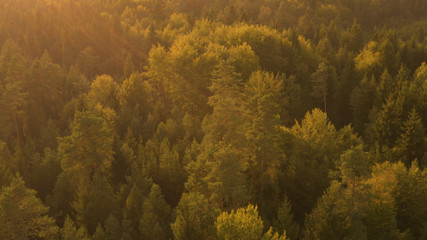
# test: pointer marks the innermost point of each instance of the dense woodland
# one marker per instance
(219, 119)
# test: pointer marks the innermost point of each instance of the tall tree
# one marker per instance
(195, 218)
(387, 125)
(88, 150)
(412, 142)
(361, 101)
(285, 222)
(223, 144)
(319, 80)
(7, 168)
(263, 93)
(14, 75)
(94, 202)
(156, 215)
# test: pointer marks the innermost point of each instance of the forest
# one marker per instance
(213, 119)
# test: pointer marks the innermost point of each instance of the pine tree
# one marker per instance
(319, 81)
(285, 221)
(45, 93)
(387, 125)
(88, 150)
(137, 188)
(334, 217)
(94, 203)
(14, 75)
(385, 88)
(156, 213)
(221, 150)
(112, 227)
(70, 232)
(361, 102)
(263, 93)
(195, 218)
(99, 233)
(23, 215)
(6, 165)
(411, 145)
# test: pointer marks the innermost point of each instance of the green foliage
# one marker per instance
(361, 102)
(263, 93)
(195, 218)
(170, 111)
(94, 203)
(411, 144)
(69, 231)
(353, 165)
(312, 151)
(88, 150)
(13, 96)
(388, 122)
(222, 146)
(244, 223)
(103, 91)
(320, 83)
(23, 215)
(7, 167)
(285, 222)
(156, 215)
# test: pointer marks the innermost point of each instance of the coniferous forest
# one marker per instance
(213, 119)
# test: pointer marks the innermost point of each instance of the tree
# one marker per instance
(156, 213)
(99, 233)
(334, 218)
(88, 150)
(14, 75)
(70, 232)
(361, 102)
(217, 171)
(285, 221)
(225, 182)
(94, 202)
(104, 91)
(410, 198)
(112, 227)
(23, 215)
(387, 125)
(195, 218)
(353, 166)
(381, 207)
(135, 98)
(171, 176)
(310, 148)
(385, 89)
(411, 145)
(319, 80)
(134, 193)
(263, 93)
(45, 93)
(6, 166)
(244, 223)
